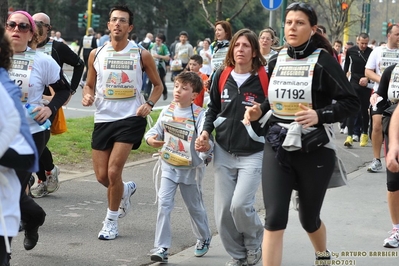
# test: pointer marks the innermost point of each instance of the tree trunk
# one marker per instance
(219, 15)
(3, 11)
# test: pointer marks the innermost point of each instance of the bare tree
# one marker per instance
(219, 13)
(335, 13)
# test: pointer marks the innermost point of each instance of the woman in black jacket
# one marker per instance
(305, 79)
(238, 148)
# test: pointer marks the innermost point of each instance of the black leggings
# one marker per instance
(308, 173)
(364, 97)
(41, 139)
(3, 252)
(45, 164)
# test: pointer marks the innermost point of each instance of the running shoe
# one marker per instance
(375, 166)
(355, 138)
(160, 255)
(52, 179)
(40, 190)
(253, 256)
(348, 142)
(364, 140)
(202, 247)
(236, 262)
(109, 230)
(126, 202)
(393, 240)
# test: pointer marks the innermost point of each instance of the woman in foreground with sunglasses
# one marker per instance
(305, 78)
(32, 71)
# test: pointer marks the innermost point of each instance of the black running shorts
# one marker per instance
(128, 130)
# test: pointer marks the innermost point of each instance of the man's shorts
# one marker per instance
(128, 130)
(380, 108)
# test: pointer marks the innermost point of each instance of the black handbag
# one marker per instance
(314, 140)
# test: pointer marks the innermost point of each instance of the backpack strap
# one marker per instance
(264, 79)
(223, 77)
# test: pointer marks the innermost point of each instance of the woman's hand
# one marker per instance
(252, 113)
(202, 142)
(307, 118)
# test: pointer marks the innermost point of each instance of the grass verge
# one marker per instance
(72, 149)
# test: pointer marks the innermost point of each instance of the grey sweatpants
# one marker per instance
(237, 179)
(192, 196)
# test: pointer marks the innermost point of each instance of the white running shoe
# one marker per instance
(160, 255)
(393, 240)
(375, 166)
(125, 202)
(52, 179)
(40, 190)
(254, 256)
(109, 230)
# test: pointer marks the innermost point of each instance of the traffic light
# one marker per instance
(344, 6)
(384, 28)
(95, 21)
(82, 20)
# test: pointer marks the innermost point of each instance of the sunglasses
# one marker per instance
(44, 24)
(22, 27)
(300, 5)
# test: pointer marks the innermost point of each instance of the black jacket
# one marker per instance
(231, 133)
(329, 83)
(355, 62)
(63, 54)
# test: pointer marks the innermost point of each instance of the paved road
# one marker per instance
(356, 216)
(75, 212)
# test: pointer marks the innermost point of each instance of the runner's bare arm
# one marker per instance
(152, 73)
(89, 88)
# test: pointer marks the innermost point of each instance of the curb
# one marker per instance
(70, 175)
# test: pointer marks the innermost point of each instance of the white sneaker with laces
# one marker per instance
(125, 202)
(393, 240)
(236, 262)
(160, 255)
(375, 166)
(254, 256)
(52, 179)
(40, 190)
(109, 230)
(202, 247)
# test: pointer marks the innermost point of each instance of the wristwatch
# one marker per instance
(150, 103)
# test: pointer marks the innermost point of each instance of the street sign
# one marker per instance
(271, 4)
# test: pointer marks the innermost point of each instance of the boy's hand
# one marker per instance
(202, 142)
(153, 142)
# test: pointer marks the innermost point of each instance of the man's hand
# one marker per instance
(87, 100)
(144, 110)
(373, 99)
(363, 81)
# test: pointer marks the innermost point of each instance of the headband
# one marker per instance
(26, 14)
